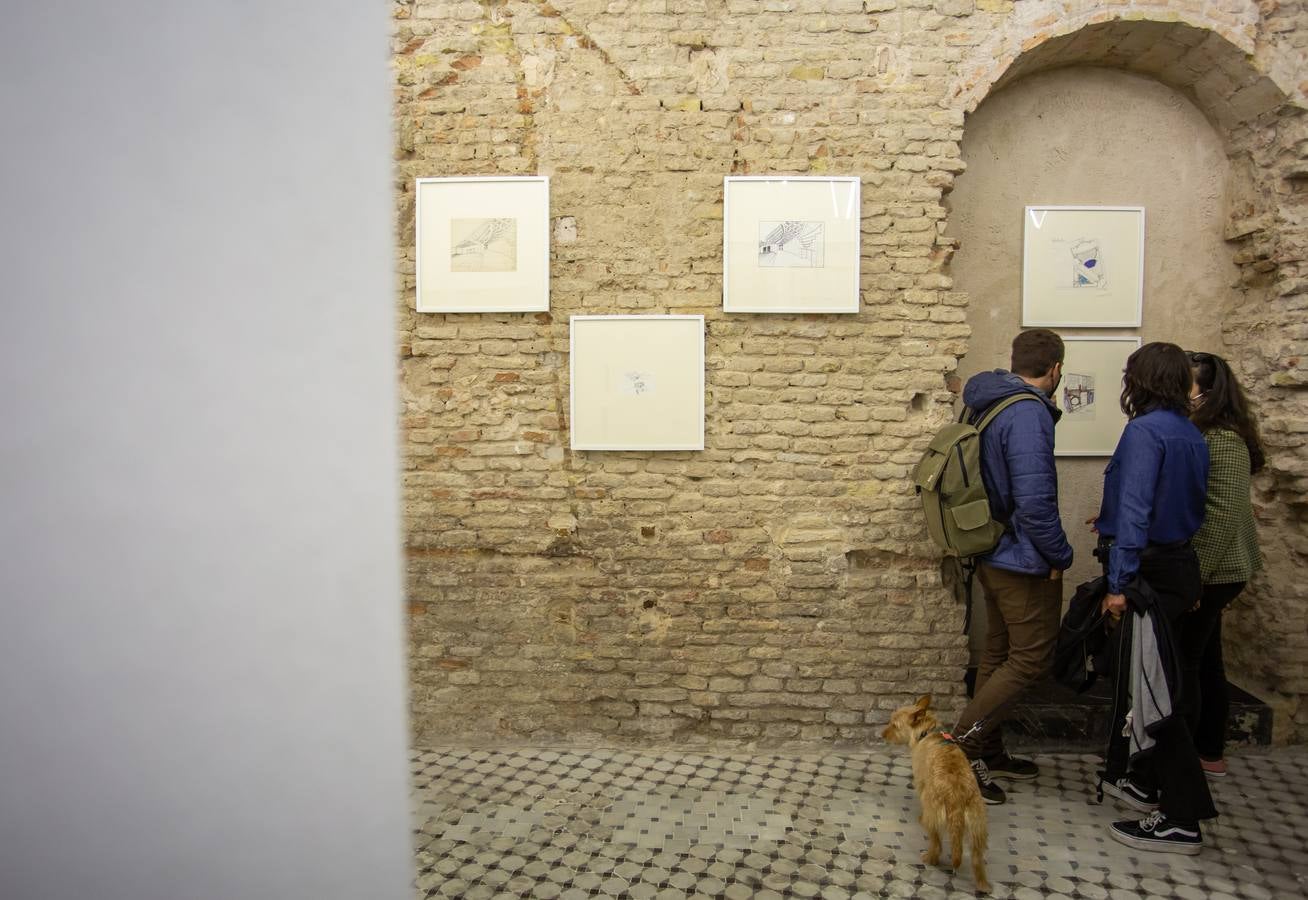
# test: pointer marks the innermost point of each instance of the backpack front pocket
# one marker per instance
(971, 516)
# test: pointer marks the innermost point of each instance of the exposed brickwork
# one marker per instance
(778, 585)
(1268, 339)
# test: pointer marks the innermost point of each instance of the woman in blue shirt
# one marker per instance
(1154, 491)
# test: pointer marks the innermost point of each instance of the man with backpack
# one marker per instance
(1022, 575)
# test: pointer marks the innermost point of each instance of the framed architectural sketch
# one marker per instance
(483, 244)
(790, 244)
(1082, 266)
(1089, 395)
(637, 382)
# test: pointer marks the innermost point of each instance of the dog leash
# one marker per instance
(950, 739)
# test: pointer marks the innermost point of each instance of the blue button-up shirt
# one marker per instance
(1154, 490)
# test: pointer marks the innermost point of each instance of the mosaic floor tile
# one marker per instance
(679, 826)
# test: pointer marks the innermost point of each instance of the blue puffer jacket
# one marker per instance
(1017, 465)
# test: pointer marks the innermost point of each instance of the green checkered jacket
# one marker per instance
(1227, 543)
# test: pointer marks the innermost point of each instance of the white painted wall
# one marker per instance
(201, 676)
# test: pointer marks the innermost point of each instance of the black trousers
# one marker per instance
(1172, 767)
(1207, 698)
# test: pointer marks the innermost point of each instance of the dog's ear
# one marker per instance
(924, 702)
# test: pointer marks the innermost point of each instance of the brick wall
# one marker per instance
(778, 585)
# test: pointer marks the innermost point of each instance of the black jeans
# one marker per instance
(1172, 767)
(1207, 701)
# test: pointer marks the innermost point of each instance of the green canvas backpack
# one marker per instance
(954, 500)
(948, 479)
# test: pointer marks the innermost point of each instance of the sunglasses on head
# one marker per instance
(1197, 357)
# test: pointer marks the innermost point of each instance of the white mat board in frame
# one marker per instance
(482, 244)
(1090, 393)
(636, 382)
(791, 243)
(1082, 266)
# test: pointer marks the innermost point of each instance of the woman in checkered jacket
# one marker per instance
(1227, 546)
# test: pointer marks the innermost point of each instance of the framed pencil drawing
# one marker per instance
(637, 382)
(790, 244)
(1089, 395)
(483, 244)
(1082, 266)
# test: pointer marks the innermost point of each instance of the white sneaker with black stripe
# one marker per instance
(1128, 792)
(1156, 832)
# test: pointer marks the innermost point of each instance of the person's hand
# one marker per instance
(1091, 522)
(1114, 605)
(1055, 574)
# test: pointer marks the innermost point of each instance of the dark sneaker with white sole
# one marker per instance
(990, 792)
(1130, 793)
(1158, 833)
(1005, 766)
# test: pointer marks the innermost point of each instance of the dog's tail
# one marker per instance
(974, 816)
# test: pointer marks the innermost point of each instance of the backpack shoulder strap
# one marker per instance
(1002, 405)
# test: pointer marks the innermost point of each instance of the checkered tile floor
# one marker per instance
(613, 823)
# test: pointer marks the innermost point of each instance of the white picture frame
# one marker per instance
(482, 244)
(636, 382)
(791, 244)
(1083, 266)
(1090, 394)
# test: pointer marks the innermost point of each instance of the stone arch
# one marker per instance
(1220, 61)
(1209, 63)
(1214, 57)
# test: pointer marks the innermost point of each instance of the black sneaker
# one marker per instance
(1157, 832)
(1004, 766)
(1130, 793)
(990, 792)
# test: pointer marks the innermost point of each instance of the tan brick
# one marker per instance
(649, 596)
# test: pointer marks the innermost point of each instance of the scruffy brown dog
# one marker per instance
(946, 787)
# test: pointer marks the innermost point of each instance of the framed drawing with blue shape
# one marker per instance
(1082, 266)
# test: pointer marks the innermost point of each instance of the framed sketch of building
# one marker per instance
(482, 244)
(637, 382)
(1089, 395)
(1082, 266)
(790, 244)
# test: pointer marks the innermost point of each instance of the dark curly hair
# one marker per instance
(1157, 377)
(1225, 404)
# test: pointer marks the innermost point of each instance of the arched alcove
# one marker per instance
(1190, 58)
(1093, 136)
(1224, 194)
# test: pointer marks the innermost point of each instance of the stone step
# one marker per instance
(1051, 716)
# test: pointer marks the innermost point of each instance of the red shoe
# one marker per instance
(1213, 768)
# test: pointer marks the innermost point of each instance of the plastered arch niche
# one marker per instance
(1092, 136)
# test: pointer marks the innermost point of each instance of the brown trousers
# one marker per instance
(1022, 616)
